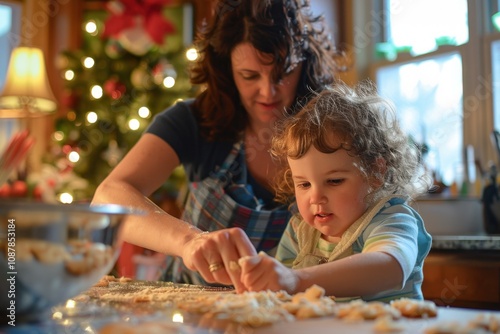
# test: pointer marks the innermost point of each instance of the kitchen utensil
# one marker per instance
(495, 139)
(491, 203)
(14, 154)
(52, 252)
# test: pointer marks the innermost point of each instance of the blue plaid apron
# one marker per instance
(218, 202)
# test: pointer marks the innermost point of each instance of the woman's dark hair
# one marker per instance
(284, 29)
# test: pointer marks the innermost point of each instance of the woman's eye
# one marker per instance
(249, 77)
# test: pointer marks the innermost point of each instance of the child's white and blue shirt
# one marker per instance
(390, 226)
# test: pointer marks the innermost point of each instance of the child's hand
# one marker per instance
(263, 272)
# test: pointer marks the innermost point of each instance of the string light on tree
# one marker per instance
(69, 75)
(91, 27)
(169, 82)
(144, 112)
(96, 91)
(92, 117)
(88, 62)
(134, 124)
(73, 156)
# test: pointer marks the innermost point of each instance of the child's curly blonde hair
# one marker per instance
(365, 125)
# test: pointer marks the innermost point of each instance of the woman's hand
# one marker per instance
(215, 255)
(263, 272)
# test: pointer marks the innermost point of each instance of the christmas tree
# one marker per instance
(133, 64)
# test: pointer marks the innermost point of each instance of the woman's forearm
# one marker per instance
(156, 229)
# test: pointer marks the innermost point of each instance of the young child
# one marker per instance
(352, 171)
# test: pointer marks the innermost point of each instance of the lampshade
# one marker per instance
(27, 85)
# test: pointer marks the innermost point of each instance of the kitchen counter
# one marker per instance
(463, 278)
(466, 242)
(87, 314)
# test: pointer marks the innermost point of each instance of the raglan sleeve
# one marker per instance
(399, 232)
(288, 246)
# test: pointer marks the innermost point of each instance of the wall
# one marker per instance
(55, 25)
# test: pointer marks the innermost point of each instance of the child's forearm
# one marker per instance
(357, 275)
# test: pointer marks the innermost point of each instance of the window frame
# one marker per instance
(476, 59)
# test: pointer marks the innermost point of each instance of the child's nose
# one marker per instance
(317, 197)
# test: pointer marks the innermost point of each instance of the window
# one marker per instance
(10, 18)
(439, 62)
(5, 25)
(428, 92)
(9, 27)
(445, 24)
(495, 54)
(428, 98)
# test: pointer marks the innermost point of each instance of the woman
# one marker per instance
(259, 60)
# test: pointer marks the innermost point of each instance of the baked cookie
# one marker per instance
(413, 308)
(359, 310)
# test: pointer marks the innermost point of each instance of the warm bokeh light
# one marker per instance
(192, 54)
(144, 112)
(88, 62)
(66, 198)
(69, 75)
(73, 156)
(91, 27)
(134, 124)
(58, 135)
(96, 91)
(91, 117)
(169, 82)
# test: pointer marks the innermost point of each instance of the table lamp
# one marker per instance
(27, 87)
(26, 99)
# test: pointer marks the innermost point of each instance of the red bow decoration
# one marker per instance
(127, 14)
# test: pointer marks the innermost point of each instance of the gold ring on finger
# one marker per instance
(215, 266)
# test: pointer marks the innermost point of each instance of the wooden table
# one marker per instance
(88, 314)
